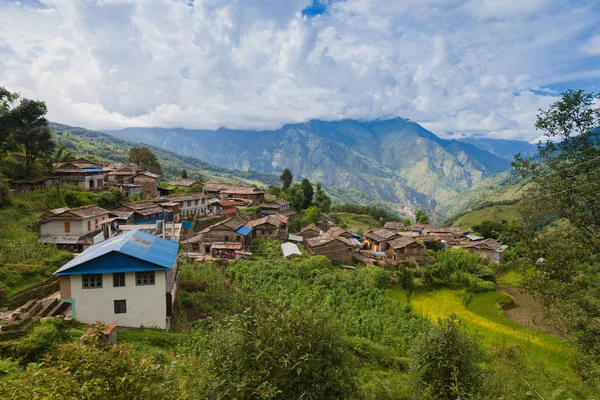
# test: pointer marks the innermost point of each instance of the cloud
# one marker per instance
(467, 67)
(592, 46)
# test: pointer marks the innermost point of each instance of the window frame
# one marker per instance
(117, 277)
(142, 280)
(67, 227)
(119, 310)
(97, 278)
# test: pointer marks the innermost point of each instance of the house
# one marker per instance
(21, 187)
(85, 173)
(190, 204)
(76, 229)
(272, 226)
(120, 175)
(404, 247)
(139, 212)
(473, 238)
(378, 240)
(226, 250)
(130, 189)
(227, 231)
(394, 225)
(309, 232)
(488, 249)
(279, 206)
(334, 248)
(418, 228)
(224, 207)
(113, 166)
(290, 250)
(225, 191)
(129, 279)
(188, 183)
(149, 183)
(337, 231)
(447, 234)
(325, 222)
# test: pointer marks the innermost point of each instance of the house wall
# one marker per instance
(487, 254)
(84, 180)
(79, 227)
(192, 207)
(334, 250)
(222, 235)
(146, 305)
(266, 230)
(148, 185)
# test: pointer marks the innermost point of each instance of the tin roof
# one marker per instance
(402, 241)
(243, 230)
(162, 253)
(290, 249)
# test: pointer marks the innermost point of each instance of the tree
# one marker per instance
(295, 195)
(184, 174)
(274, 190)
(286, 177)
(145, 158)
(322, 201)
(5, 198)
(445, 362)
(310, 216)
(407, 222)
(7, 102)
(308, 190)
(421, 217)
(63, 155)
(112, 198)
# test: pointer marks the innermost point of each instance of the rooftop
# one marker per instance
(74, 213)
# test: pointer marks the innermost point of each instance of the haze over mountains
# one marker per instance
(395, 160)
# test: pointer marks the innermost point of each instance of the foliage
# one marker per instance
(446, 362)
(5, 198)
(111, 198)
(295, 195)
(310, 216)
(265, 248)
(286, 178)
(308, 191)
(322, 200)
(375, 212)
(184, 174)
(145, 158)
(421, 217)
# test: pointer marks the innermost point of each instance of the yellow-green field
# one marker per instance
(361, 222)
(494, 213)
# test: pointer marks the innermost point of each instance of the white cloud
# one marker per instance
(592, 47)
(453, 66)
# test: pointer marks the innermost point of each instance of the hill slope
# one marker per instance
(396, 160)
(502, 147)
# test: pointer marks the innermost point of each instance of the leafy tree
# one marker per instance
(421, 217)
(112, 198)
(7, 102)
(407, 222)
(5, 198)
(145, 158)
(308, 190)
(310, 216)
(322, 201)
(184, 174)
(446, 362)
(274, 190)
(295, 195)
(286, 177)
(63, 155)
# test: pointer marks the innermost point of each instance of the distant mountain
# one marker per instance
(502, 147)
(83, 142)
(396, 160)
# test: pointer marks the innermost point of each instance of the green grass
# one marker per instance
(360, 222)
(546, 354)
(511, 278)
(494, 213)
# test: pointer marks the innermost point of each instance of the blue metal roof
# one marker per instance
(93, 170)
(161, 253)
(379, 254)
(243, 230)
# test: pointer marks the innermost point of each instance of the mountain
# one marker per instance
(83, 142)
(504, 148)
(396, 160)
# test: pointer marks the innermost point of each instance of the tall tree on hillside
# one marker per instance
(566, 182)
(7, 101)
(295, 196)
(63, 155)
(286, 177)
(322, 201)
(308, 190)
(421, 217)
(184, 174)
(145, 158)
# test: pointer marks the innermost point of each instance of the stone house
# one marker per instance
(271, 226)
(378, 240)
(75, 229)
(278, 206)
(85, 173)
(404, 247)
(149, 183)
(21, 187)
(129, 279)
(334, 248)
(190, 204)
(489, 249)
(394, 225)
(230, 230)
(224, 207)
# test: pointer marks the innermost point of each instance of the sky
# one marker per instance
(457, 67)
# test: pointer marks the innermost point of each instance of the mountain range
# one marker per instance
(396, 160)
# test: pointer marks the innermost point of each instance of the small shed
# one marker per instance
(290, 250)
(295, 238)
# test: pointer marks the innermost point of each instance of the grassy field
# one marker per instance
(548, 356)
(356, 222)
(494, 213)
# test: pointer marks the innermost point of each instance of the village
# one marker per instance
(125, 269)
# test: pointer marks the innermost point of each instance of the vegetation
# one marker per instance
(373, 211)
(145, 158)
(421, 217)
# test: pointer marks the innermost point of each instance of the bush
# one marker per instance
(445, 362)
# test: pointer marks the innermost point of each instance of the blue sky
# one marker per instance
(458, 67)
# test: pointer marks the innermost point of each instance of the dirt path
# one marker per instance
(528, 311)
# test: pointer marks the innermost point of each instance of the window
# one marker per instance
(96, 223)
(144, 278)
(237, 238)
(67, 227)
(226, 238)
(92, 281)
(89, 225)
(119, 279)
(120, 306)
(189, 203)
(196, 203)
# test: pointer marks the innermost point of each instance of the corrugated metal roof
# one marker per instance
(138, 244)
(93, 170)
(243, 230)
(289, 249)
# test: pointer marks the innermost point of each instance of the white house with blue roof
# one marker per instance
(129, 279)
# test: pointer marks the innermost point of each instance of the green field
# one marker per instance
(494, 213)
(355, 222)
(546, 354)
